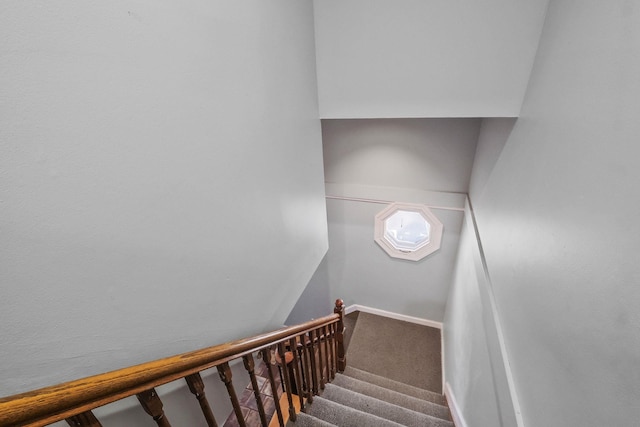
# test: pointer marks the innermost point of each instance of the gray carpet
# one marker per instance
(390, 396)
(412, 356)
(349, 325)
(345, 416)
(382, 409)
(304, 420)
(406, 389)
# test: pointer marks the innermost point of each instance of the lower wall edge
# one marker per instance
(391, 315)
(456, 413)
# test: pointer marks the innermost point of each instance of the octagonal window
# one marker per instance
(408, 231)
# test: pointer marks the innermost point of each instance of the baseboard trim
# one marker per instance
(456, 413)
(397, 316)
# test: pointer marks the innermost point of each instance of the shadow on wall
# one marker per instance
(494, 133)
(315, 300)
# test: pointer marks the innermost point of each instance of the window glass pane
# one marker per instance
(407, 230)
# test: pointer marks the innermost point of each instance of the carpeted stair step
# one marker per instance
(392, 396)
(395, 385)
(382, 409)
(344, 416)
(304, 420)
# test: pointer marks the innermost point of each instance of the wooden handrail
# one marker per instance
(50, 404)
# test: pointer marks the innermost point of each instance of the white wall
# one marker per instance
(360, 272)
(425, 58)
(477, 371)
(161, 179)
(468, 366)
(558, 220)
(427, 154)
(408, 160)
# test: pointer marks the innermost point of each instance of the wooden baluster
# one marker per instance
(196, 386)
(225, 375)
(313, 376)
(327, 351)
(318, 335)
(293, 344)
(152, 405)
(249, 365)
(287, 380)
(86, 419)
(267, 357)
(302, 360)
(342, 358)
(332, 341)
(306, 363)
(312, 353)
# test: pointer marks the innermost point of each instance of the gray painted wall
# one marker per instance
(476, 370)
(558, 220)
(427, 154)
(360, 272)
(315, 301)
(390, 160)
(467, 360)
(161, 179)
(425, 58)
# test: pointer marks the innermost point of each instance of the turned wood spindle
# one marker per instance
(297, 371)
(249, 365)
(268, 359)
(318, 335)
(327, 351)
(85, 419)
(287, 380)
(196, 386)
(304, 365)
(342, 359)
(152, 405)
(314, 367)
(225, 375)
(306, 354)
(334, 353)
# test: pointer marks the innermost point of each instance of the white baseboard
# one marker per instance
(397, 316)
(456, 414)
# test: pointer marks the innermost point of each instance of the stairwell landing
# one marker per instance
(383, 385)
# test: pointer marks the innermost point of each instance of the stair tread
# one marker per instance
(304, 420)
(345, 416)
(395, 385)
(392, 396)
(382, 409)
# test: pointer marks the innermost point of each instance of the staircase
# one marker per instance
(406, 362)
(357, 398)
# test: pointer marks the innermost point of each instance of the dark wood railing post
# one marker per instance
(314, 365)
(297, 370)
(267, 357)
(86, 419)
(152, 405)
(287, 380)
(318, 334)
(328, 352)
(196, 386)
(342, 358)
(249, 365)
(306, 362)
(225, 375)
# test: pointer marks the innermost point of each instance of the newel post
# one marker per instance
(342, 358)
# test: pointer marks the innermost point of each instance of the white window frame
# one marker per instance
(435, 232)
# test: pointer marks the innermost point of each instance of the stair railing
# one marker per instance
(315, 348)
